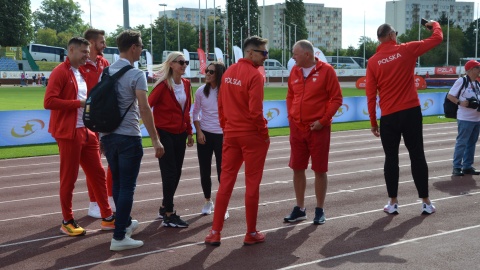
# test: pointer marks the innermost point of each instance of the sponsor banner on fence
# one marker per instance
(31, 127)
(450, 70)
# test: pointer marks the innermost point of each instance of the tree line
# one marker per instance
(56, 21)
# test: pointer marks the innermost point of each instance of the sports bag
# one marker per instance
(449, 108)
(101, 112)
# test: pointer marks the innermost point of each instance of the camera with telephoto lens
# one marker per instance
(473, 103)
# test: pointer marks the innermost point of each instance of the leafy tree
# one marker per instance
(238, 10)
(47, 36)
(469, 41)
(59, 15)
(370, 47)
(63, 38)
(295, 14)
(15, 23)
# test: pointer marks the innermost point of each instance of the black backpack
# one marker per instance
(449, 108)
(101, 112)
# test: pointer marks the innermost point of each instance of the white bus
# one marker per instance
(109, 54)
(42, 52)
(344, 62)
(194, 61)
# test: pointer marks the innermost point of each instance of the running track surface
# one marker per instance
(357, 234)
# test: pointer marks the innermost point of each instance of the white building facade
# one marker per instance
(406, 14)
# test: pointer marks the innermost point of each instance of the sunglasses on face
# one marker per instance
(209, 71)
(140, 45)
(264, 53)
(181, 62)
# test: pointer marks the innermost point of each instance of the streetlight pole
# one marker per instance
(295, 31)
(214, 26)
(476, 36)
(151, 35)
(164, 25)
(178, 29)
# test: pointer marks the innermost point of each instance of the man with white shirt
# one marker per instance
(65, 97)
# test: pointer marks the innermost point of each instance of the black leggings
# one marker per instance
(406, 123)
(205, 152)
(171, 164)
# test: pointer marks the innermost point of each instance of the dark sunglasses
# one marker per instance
(181, 62)
(264, 53)
(210, 71)
(140, 45)
(396, 33)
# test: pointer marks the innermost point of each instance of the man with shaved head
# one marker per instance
(390, 76)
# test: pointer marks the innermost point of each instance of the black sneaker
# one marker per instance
(457, 172)
(471, 171)
(174, 221)
(161, 212)
(296, 215)
(319, 216)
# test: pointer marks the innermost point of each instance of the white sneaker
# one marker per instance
(207, 208)
(125, 243)
(112, 204)
(131, 229)
(391, 208)
(94, 210)
(227, 215)
(428, 209)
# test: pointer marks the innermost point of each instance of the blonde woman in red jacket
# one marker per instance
(171, 101)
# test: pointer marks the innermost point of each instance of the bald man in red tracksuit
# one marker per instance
(390, 75)
(240, 109)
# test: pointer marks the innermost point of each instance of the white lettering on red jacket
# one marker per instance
(390, 58)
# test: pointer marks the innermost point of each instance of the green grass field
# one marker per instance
(31, 98)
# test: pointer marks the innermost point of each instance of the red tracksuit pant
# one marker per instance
(83, 150)
(253, 150)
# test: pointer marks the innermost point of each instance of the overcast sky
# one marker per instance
(107, 14)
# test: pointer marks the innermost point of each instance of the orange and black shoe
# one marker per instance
(108, 224)
(71, 228)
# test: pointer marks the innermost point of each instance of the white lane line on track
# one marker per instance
(284, 227)
(404, 152)
(381, 247)
(266, 230)
(196, 179)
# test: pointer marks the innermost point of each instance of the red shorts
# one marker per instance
(306, 144)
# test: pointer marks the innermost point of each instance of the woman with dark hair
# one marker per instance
(170, 100)
(209, 132)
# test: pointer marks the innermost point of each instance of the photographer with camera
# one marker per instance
(468, 119)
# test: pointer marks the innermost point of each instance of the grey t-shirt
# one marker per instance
(132, 80)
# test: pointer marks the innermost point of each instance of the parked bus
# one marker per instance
(194, 61)
(109, 54)
(42, 52)
(346, 62)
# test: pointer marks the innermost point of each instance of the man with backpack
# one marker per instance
(65, 97)
(123, 146)
(468, 119)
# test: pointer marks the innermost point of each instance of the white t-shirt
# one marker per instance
(306, 71)
(463, 113)
(179, 91)
(82, 95)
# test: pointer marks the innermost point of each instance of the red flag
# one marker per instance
(203, 60)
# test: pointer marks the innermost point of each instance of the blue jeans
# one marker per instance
(124, 155)
(465, 146)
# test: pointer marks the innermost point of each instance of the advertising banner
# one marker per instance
(31, 127)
